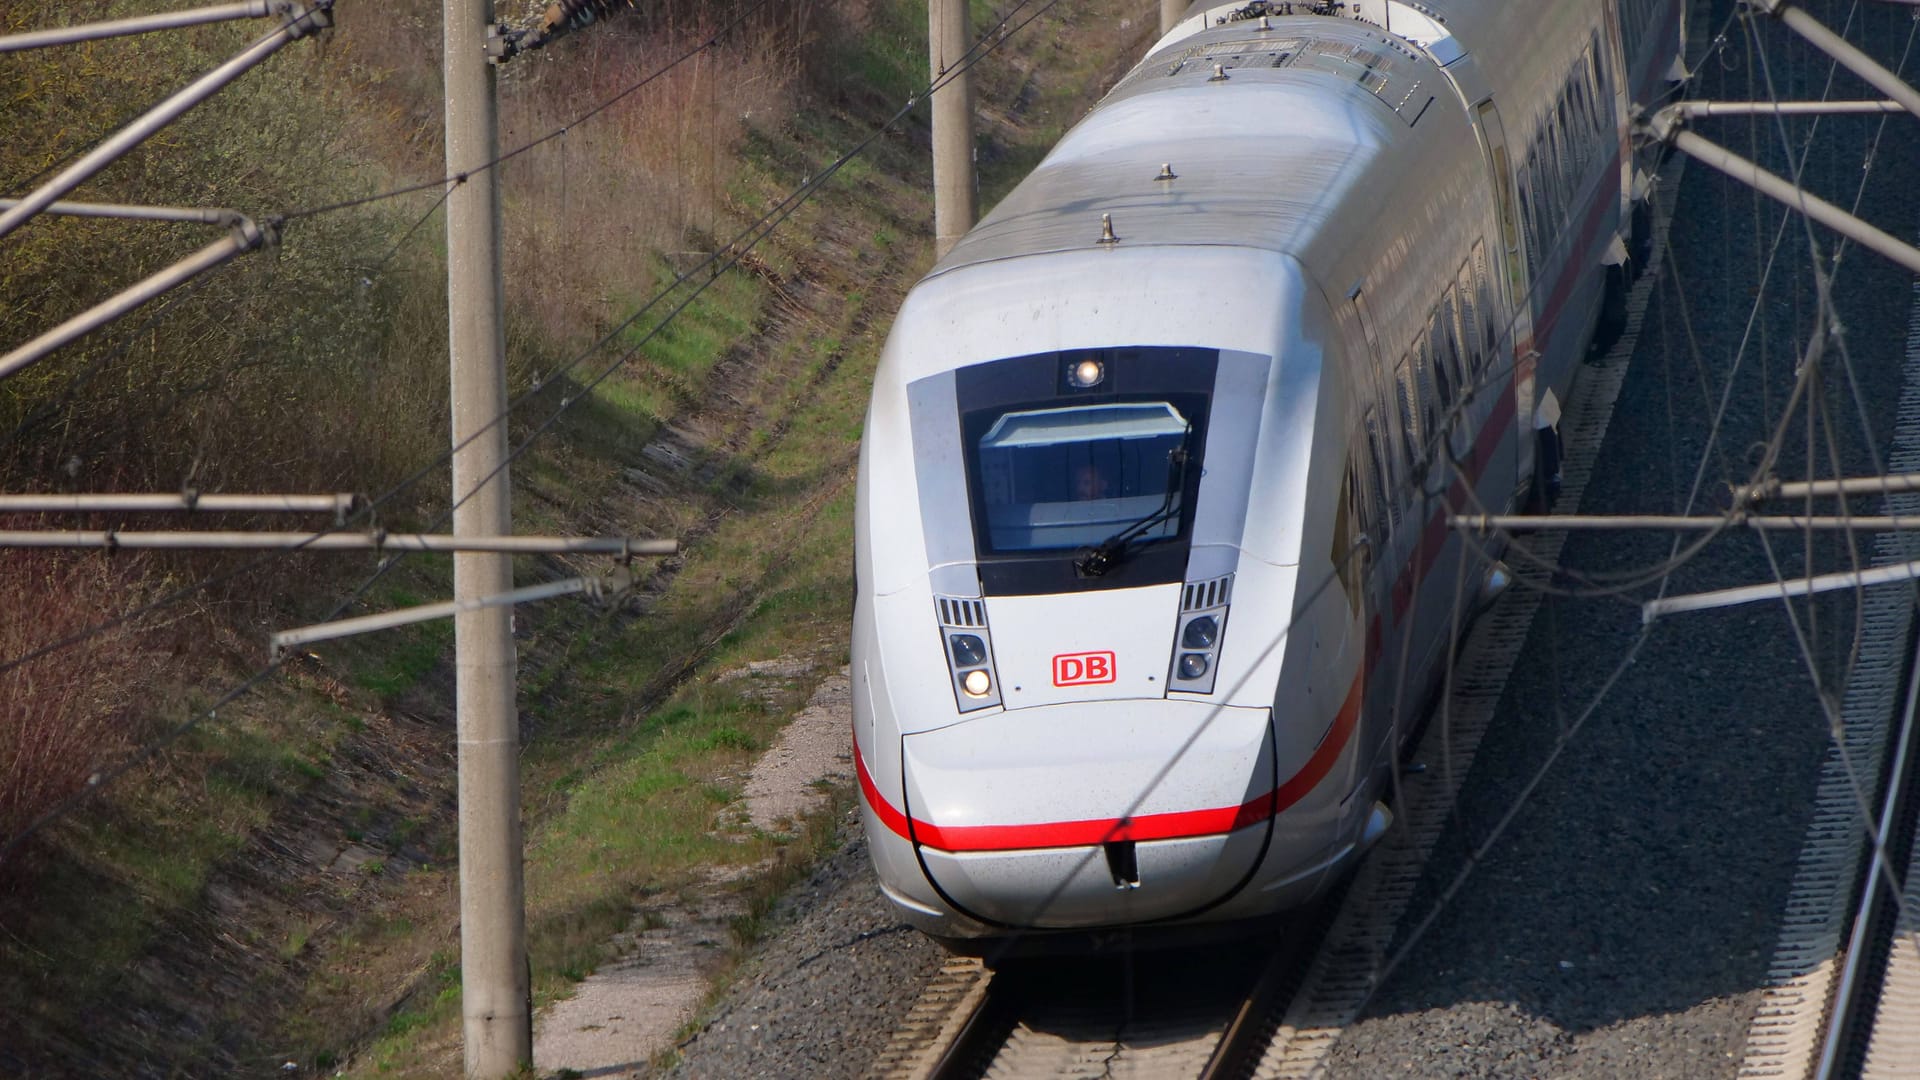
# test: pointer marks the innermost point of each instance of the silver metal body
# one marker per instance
(1275, 258)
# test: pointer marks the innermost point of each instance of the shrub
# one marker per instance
(73, 711)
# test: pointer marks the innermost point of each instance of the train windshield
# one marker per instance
(1082, 466)
(1078, 476)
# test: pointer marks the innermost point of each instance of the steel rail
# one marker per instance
(973, 1038)
(1241, 1046)
(186, 540)
(1843, 1016)
(141, 24)
(301, 23)
(1043, 1021)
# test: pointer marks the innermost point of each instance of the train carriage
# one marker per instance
(1151, 554)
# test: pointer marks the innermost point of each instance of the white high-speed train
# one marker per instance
(1151, 515)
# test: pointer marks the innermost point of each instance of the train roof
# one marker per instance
(1262, 129)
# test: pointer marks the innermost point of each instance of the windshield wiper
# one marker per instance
(1110, 552)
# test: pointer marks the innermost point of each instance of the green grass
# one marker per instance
(405, 655)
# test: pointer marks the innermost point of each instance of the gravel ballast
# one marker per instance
(824, 995)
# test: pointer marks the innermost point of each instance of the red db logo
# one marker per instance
(1083, 669)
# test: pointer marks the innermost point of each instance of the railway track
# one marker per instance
(1274, 1013)
(1844, 993)
(1155, 1014)
(1892, 1046)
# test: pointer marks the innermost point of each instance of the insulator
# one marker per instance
(574, 14)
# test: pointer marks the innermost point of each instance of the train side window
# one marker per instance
(1563, 134)
(1351, 558)
(1342, 552)
(1444, 372)
(1581, 131)
(1543, 200)
(1549, 182)
(1602, 84)
(1528, 215)
(1450, 331)
(1472, 354)
(1590, 74)
(1426, 400)
(1388, 512)
(1574, 131)
(1407, 397)
(1491, 319)
(1506, 203)
(1559, 164)
(1392, 438)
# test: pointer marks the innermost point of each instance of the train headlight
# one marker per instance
(968, 643)
(1086, 374)
(968, 650)
(1197, 636)
(1201, 633)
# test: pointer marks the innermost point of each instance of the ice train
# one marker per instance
(1151, 511)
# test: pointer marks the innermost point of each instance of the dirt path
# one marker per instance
(628, 1012)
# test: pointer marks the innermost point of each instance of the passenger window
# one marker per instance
(1436, 347)
(1529, 215)
(1556, 165)
(1450, 326)
(1490, 329)
(1408, 396)
(1424, 390)
(1470, 350)
(1564, 132)
(1389, 512)
(1342, 553)
(1351, 559)
(1590, 75)
(1581, 129)
(1602, 82)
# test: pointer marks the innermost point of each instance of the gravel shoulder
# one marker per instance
(626, 1015)
(823, 997)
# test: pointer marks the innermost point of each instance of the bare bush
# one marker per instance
(63, 715)
(587, 212)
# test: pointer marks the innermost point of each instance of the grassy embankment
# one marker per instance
(278, 885)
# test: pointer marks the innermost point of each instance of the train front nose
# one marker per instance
(1092, 813)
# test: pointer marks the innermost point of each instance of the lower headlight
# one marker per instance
(977, 683)
(1193, 665)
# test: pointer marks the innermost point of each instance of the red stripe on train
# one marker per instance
(1175, 825)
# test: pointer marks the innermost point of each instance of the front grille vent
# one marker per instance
(1201, 595)
(961, 611)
